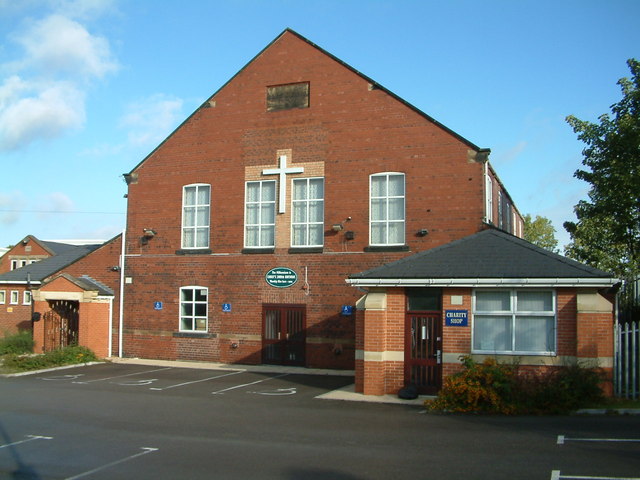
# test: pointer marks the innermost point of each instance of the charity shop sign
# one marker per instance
(281, 277)
(456, 318)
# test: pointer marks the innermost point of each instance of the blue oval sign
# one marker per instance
(281, 277)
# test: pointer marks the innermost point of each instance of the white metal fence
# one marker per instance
(627, 360)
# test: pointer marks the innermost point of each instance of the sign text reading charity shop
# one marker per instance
(281, 277)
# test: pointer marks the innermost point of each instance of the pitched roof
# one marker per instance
(38, 271)
(490, 257)
(289, 31)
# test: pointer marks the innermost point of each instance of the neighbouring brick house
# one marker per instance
(72, 291)
(248, 227)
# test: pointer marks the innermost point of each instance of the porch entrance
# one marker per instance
(61, 324)
(423, 351)
(283, 334)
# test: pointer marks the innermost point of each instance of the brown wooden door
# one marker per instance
(423, 351)
(283, 334)
(61, 325)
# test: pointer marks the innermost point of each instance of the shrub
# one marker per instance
(56, 358)
(491, 387)
(18, 343)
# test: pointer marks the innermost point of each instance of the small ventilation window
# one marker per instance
(286, 97)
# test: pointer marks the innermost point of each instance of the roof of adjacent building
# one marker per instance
(38, 271)
(490, 257)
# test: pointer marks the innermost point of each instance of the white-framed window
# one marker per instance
(193, 309)
(260, 214)
(387, 209)
(514, 322)
(15, 297)
(196, 200)
(3, 297)
(26, 297)
(14, 264)
(307, 221)
(489, 199)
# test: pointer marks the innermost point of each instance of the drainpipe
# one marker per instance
(121, 309)
(109, 348)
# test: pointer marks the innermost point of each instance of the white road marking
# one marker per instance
(219, 392)
(62, 377)
(198, 381)
(30, 438)
(562, 439)
(555, 475)
(145, 450)
(279, 391)
(126, 375)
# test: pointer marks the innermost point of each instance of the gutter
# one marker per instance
(483, 282)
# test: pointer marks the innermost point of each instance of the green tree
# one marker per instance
(607, 233)
(540, 232)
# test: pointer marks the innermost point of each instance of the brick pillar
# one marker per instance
(595, 320)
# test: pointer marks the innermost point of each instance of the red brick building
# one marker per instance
(298, 163)
(71, 290)
(297, 174)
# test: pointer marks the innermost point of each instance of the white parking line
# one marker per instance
(562, 439)
(145, 450)
(30, 438)
(198, 381)
(219, 392)
(555, 475)
(126, 375)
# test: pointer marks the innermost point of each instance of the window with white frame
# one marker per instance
(514, 322)
(387, 202)
(26, 297)
(3, 297)
(14, 264)
(15, 296)
(489, 199)
(307, 222)
(193, 309)
(260, 214)
(195, 216)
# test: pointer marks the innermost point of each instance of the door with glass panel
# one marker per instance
(283, 334)
(423, 351)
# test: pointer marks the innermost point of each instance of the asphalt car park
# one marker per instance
(163, 422)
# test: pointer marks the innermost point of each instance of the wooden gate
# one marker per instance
(283, 334)
(423, 351)
(61, 325)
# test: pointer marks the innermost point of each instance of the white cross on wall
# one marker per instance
(282, 171)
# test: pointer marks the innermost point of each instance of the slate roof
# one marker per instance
(47, 267)
(489, 254)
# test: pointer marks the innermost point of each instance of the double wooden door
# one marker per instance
(283, 334)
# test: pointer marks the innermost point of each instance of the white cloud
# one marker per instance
(150, 120)
(57, 45)
(31, 110)
(54, 203)
(10, 205)
(43, 95)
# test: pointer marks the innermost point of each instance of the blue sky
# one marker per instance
(89, 87)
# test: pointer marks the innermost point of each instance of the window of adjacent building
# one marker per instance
(286, 97)
(514, 322)
(14, 264)
(387, 209)
(193, 309)
(260, 214)
(3, 297)
(26, 297)
(195, 216)
(307, 223)
(489, 195)
(15, 296)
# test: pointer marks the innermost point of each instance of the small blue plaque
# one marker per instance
(226, 307)
(456, 318)
(346, 310)
(157, 305)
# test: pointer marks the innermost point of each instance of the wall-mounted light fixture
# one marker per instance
(423, 232)
(336, 227)
(147, 234)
